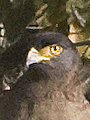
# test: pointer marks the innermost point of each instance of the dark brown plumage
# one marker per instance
(15, 55)
(49, 90)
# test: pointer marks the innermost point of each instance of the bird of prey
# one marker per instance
(52, 87)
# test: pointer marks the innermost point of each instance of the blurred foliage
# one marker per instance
(79, 22)
(87, 53)
(15, 16)
(48, 15)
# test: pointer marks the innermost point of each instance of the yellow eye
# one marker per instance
(55, 49)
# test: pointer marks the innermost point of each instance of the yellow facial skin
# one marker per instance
(50, 51)
(45, 54)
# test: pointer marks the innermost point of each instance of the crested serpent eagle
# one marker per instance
(53, 86)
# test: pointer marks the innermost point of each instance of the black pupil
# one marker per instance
(55, 48)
